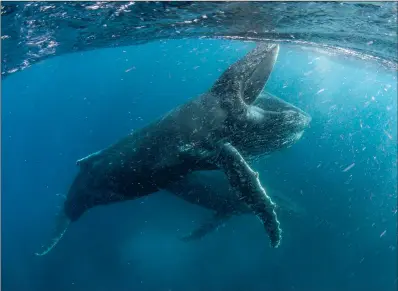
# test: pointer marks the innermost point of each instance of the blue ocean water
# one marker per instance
(342, 174)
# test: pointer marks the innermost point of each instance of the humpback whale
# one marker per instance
(210, 189)
(202, 134)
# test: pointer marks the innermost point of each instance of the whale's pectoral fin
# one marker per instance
(62, 223)
(248, 185)
(208, 226)
(244, 80)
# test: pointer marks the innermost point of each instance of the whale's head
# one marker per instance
(257, 123)
(284, 118)
(272, 124)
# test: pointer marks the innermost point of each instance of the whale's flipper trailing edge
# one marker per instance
(210, 225)
(62, 223)
(249, 188)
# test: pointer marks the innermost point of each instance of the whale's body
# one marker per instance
(206, 133)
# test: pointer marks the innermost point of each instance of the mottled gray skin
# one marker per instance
(184, 140)
(212, 190)
(280, 124)
(191, 137)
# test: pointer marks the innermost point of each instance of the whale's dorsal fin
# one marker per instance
(244, 80)
(89, 159)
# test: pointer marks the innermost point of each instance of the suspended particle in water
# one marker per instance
(349, 167)
(129, 69)
(388, 135)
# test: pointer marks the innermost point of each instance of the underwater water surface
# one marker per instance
(33, 31)
(339, 180)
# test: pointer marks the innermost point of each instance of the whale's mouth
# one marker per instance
(284, 124)
(291, 124)
(294, 114)
(299, 118)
